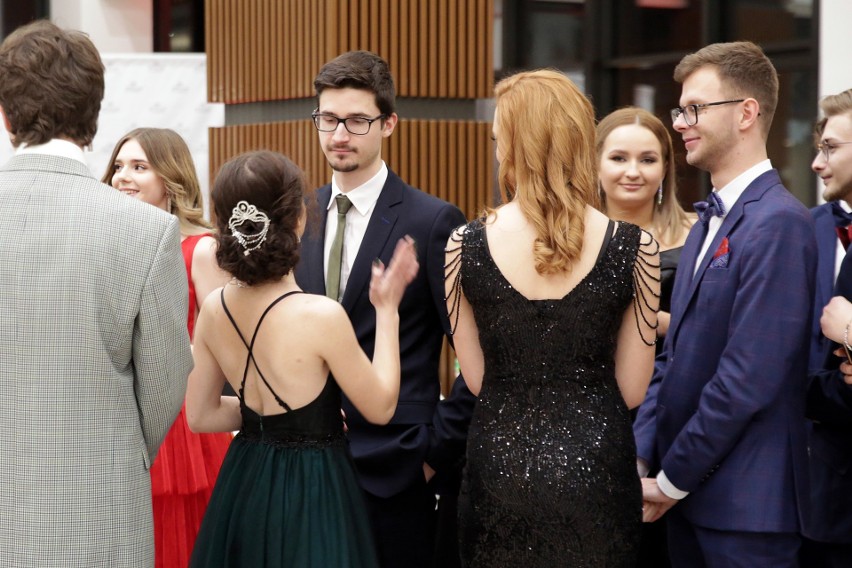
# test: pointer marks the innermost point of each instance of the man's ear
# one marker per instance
(751, 112)
(389, 125)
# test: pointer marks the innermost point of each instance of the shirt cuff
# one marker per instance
(668, 488)
(642, 467)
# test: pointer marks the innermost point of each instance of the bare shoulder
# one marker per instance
(596, 223)
(206, 244)
(320, 310)
(213, 302)
(205, 250)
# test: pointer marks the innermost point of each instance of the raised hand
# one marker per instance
(387, 285)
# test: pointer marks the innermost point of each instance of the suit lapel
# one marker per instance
(379, 229)
(826, 251)
(682, 285)
(682, 295)
(312, 254)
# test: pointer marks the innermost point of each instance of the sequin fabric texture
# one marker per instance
(551, 462)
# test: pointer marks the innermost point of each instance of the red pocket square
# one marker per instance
(723, 248)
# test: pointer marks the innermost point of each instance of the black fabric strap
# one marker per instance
(610, 228)
(250, 346)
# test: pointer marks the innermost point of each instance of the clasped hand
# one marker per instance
(655, 503)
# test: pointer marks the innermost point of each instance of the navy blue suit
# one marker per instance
(389, 459)
(829, 405)
(826, 238)
(724, 414)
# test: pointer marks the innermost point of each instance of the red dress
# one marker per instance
(184, 473)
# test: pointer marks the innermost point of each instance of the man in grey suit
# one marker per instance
(94, 350)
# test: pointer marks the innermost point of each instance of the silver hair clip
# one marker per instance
(240, 214)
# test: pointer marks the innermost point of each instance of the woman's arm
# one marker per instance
(206, 274)
(462, 323)
(206, 409)
(634, 353)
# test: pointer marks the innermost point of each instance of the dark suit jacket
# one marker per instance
(826, 238)
(390, 458)
(830, 441)
(724, 415)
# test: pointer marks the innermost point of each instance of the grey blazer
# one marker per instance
(94, 356)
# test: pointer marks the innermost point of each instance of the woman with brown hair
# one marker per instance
(553, 309)
(638, 185)
(287, 495)
(155, 165)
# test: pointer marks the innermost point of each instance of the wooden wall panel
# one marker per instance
(262, 50)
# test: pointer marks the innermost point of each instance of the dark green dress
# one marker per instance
(287, 494)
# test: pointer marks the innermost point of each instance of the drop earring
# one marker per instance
(660, 194)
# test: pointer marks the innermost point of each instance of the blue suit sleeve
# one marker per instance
(448, 433)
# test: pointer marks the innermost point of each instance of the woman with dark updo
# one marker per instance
(287, 493)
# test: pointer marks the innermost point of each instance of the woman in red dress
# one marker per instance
(154, 165)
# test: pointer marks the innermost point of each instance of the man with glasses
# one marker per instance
(833, 219)
(829, 534)
(361, 214)
(724, 416)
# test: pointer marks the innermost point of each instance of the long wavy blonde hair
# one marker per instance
(170, 158)
(546, 135)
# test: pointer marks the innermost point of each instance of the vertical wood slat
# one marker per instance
(403, 82)
(383, 22)
(423, 55)
(431, 37)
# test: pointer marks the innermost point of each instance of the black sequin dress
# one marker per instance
(551, 462)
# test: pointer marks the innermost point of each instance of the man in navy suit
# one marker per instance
(829, 403)
(724, 415)
(832, 223)
(401, 466)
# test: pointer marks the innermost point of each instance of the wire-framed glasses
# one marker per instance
(358, 125)
(827, 148)
(690, 112)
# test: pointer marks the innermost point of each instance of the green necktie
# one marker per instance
(332, 281)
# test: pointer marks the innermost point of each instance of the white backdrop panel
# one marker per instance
(152, 90)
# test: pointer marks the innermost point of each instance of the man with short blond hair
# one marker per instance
(723, 420)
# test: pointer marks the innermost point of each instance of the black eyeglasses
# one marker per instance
(358, 125)
(690, 112)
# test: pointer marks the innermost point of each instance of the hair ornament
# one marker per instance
(240, 214)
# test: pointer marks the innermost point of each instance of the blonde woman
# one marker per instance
(155, 166)
(553, 309)
(638, 185)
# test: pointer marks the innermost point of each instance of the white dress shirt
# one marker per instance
(363, 198)
(55, 147)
